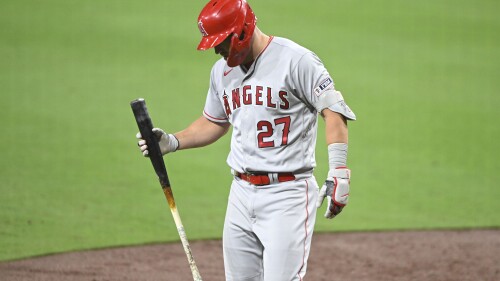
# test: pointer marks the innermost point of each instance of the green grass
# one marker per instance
(421, 77)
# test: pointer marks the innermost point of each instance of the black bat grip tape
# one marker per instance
(146, 128)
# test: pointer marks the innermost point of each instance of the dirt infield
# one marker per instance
(369, 256)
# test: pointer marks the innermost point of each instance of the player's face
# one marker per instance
(223, 48)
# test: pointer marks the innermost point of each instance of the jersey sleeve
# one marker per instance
(214, 110)
(315, 85)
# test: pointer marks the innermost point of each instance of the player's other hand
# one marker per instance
(168, 142)
(336, 188)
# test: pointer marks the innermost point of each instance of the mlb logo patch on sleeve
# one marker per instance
(325, 85)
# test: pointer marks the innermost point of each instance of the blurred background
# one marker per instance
(421, 76)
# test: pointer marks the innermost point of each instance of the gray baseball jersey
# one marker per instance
(273, 107)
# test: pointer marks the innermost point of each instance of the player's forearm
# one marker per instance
(200, 133)
(336, 127)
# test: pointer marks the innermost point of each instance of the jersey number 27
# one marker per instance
(266, 130)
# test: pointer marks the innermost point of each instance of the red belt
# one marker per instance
(263, 178)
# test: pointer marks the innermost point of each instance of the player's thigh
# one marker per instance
(287, 231)
(242, 249)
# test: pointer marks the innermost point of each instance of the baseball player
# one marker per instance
(271, 91)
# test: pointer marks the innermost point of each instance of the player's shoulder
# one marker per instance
(296, 53)
(289, 46)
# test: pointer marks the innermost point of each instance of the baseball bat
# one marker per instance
(146, 128)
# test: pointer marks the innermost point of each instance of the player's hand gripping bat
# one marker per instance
(146, 128)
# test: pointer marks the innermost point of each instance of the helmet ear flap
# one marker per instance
(241, 44)
(237, 51)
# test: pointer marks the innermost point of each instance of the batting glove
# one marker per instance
(168, 142)
(336, 188)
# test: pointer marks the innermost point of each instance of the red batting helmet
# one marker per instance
(222, 18)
